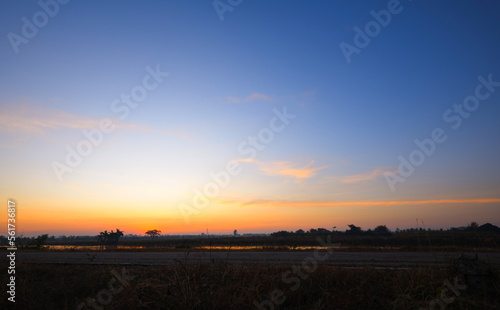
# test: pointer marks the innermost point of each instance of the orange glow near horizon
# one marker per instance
(223, 216)
(365, 203)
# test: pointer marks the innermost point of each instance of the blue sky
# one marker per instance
(353, 119)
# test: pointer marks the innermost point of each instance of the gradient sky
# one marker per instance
(327, 167)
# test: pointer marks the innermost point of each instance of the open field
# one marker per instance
(405, 271)
(221, 285)
(254, 280)
(374, 259)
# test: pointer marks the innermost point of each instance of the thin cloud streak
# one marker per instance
(286, 169)
(366, 176)
(28, 121)
(327, 204)
(252, 97)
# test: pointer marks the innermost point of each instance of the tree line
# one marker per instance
(381, 230)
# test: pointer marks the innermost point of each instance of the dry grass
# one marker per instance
(220, 285)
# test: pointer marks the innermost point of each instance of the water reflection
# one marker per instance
(204, 248)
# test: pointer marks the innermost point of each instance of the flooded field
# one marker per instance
(200, 248)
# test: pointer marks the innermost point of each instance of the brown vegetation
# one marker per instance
(219, 285)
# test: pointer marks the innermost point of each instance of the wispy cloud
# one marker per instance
(365, 176)
(252, 97)
(29, 120)
(287, 169)
(330, 204)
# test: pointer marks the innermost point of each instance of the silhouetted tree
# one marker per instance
(323, 231)
(354, 230)
(300, 232)
(153, 233)
(473, 226)
(382, 230)
(489, 227)
(38, 242)
(110, 238)
(281, 233)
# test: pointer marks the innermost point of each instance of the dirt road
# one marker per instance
(377, 259)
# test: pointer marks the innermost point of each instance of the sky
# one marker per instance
(188, 116)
